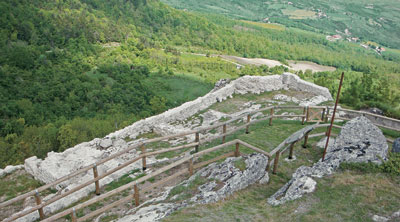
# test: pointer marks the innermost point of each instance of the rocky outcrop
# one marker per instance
(226, 178)
(222, 180)
(10, 169)
(359, 141)
(394, 217)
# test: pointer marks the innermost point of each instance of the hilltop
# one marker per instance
(74, 71)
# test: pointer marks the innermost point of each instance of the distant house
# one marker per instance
(290, 3)
(364, 46)
(336, 37)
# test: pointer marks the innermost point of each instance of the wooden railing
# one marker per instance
(198, 141)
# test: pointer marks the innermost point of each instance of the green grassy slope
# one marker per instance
(71, 71)
(368, 19)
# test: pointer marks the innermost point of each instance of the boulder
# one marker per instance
(9, 169)
(359, 141)
(229, 177)
(396, 146)
(105, 143)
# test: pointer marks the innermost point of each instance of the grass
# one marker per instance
(123, 180)
(15, 184)
(348, 195)
(240, 164)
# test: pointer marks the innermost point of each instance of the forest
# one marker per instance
(74, 70)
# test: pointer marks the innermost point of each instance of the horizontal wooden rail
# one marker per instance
(196, 144)
(254, 148)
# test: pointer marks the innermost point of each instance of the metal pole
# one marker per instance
(333, 116)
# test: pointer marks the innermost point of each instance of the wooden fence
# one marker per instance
(277, 152)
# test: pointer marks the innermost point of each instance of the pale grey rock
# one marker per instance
(105, 143)
(232, 178)
(10, 169)
(314, 101)
(321, 144)
(222, 180)
(359, 141)
(264, 179)
(151, 213)
(377, 218)
(396, 146)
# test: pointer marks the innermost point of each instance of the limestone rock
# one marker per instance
(223, 179)
(377, 218)
(105, 143)
(230, 178)
(359, 141)
(9, 169)
(321, 144)
(396, 146)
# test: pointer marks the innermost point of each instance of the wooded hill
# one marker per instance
(74, 70)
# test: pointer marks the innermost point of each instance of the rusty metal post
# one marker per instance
(191, 166)
(276, 162)
(73, 215)
(304, 116)
(305, 140)
(271, 114)
(136, 194)
(96, 183)
(38, 202)
(248, 121)
(333, 116)
(197, 139)
(237, 154)
(291, 151)
(143, 148)
(224, 132)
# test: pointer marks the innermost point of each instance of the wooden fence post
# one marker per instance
(291, 150)
(38, 202)
(248, 121)
(305, 140)
(237, 154)
(73, 215)
(304, 116)
(323, 114)
(327, 114)
(136, 194)
(308, 114)
(97, 184)
(143, 148)
(268, 165)
(191, 166)
(197, 139)
(272, 114)
(276, 162)
(223, 131)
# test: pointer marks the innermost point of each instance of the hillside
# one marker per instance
(369, 20)
(76, 70)
(286, 93)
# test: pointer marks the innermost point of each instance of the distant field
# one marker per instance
(374, 20)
